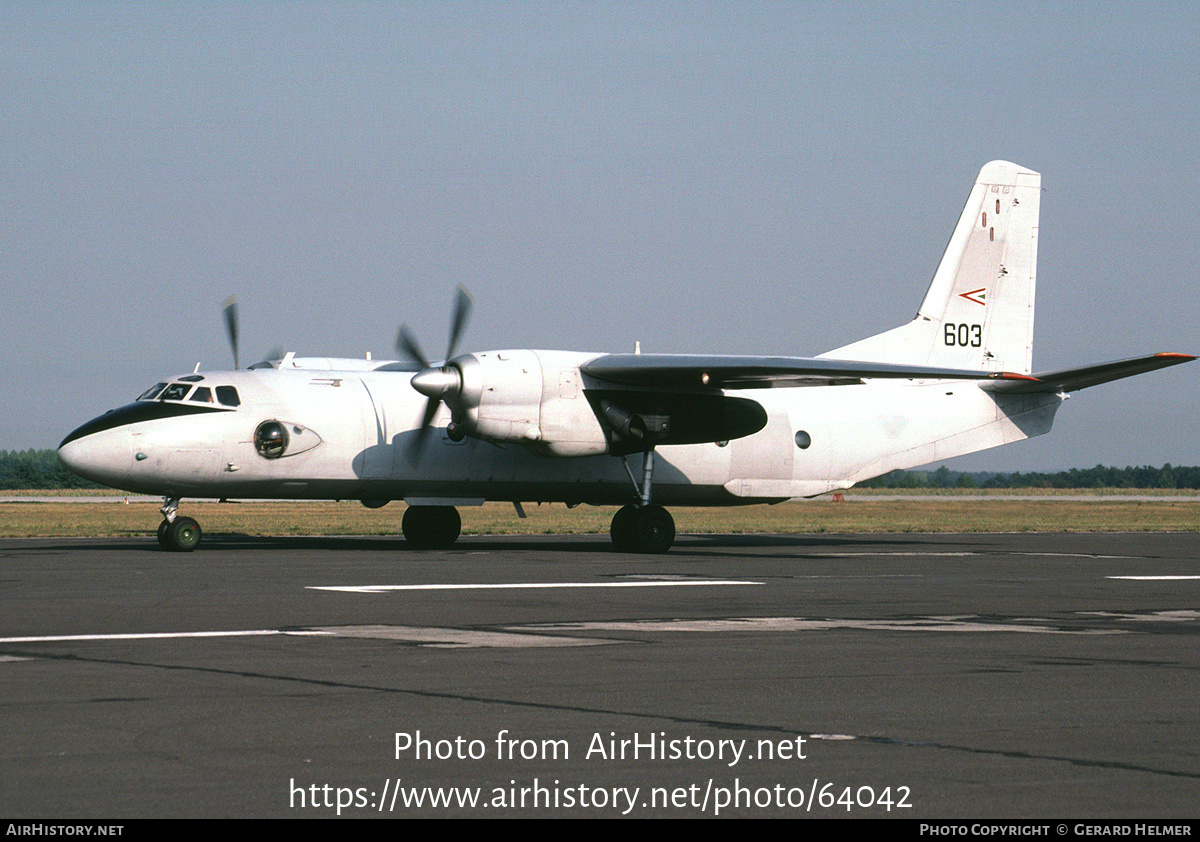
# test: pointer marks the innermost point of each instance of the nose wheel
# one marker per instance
(177, 534)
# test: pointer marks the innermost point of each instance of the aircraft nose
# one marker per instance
(82, 458)
(99, 455)
(73, 455)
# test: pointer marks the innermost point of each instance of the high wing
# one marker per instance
(1072, 379)
(685, 371)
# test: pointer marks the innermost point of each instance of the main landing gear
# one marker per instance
(177, 534)
(431, 527)
(643, 528)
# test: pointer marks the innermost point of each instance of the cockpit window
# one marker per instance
(225, 395)
(152, 393)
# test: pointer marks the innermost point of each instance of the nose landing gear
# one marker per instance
(177, 534)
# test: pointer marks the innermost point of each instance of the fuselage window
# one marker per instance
(202, 394)
(176, 392)
(152, 393)
(228, 396)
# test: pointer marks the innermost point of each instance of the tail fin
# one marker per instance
(978, 312)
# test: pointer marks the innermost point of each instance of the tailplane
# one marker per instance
(978, 312)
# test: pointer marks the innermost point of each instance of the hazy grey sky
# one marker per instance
(726, 177)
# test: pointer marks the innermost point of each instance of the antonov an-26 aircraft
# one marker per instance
(635, 430)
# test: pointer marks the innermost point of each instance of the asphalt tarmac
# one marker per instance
(911, 676)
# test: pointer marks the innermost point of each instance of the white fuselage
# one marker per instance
(350, 430)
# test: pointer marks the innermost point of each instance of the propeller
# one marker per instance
(436, 383)
(230, 310)
(231, 327)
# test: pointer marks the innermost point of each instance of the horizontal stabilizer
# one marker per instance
(686, 371)
(1072, 379)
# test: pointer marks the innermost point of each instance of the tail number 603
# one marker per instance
(965, 335)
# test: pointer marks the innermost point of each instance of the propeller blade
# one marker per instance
(417, 445)
(231, 327)
(407, 345)
(462, 312)
(434, 383)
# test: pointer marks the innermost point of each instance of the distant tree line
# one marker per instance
(41, 469)
(1147, 476)
(37, 469)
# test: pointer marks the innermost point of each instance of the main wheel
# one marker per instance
(642, 530)
(653, 530)
(181, 535)
(621, 530)
(431, 527)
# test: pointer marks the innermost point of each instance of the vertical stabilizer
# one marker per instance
(978, 312)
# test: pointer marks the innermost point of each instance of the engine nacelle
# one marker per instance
(537, 398)
(532, 397)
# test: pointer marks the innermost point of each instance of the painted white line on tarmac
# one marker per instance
(60, 638)
(1155, 578)
(672, 583)
(800, 624)
(957, 554)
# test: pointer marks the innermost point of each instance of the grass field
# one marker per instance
(862, 511)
